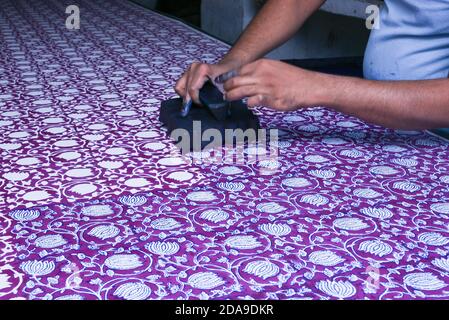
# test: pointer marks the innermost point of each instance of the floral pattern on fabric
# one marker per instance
(96, 203)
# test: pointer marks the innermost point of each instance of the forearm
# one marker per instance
(275, 23)
(394, 104)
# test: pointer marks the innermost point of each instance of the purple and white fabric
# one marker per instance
(97, 203)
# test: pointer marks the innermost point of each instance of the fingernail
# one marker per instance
(186, 108)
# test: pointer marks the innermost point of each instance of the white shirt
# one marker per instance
(412, 42)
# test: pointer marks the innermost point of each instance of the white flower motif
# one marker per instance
(296, 182)
(36, 195)
(116, 151)
(201, 196)
(180, 176)
(205, 280)
(406, 162)
(424, 281)
(393, 148)
(350, 224)
(172, 162)
(79, 172)
(154, 146)
(97, 210)
(147, 134)
(325, 258)
(293, 118)
(440, 207)
(243, 242)
(323, 174)
(334, 141)
(133, 291)
(269, 164)
(274, 229)
(231, 186)
(406, 186)
(163, 247)
(137, 182)
(50, 241)
(214, 215)
(427, 142)
(316, 159)
(383, 170)
(338, 289)
(376, 247)
(347, 124)
(16, 176)
(256, 151)
(24, 215)
(104, 232)
(230, 170)
(317, 200)
(442, 263)
(270, 207)
(380, 213)
(37, 268)
(83, 188)
(367, 193)
(165, 224)
(123, 262)
(10, 146)
(133, 200)
(309, 128)
(433, 239)
(70, 297)
(262, 269)
(352, 153)
(4, 281)
(111, 165)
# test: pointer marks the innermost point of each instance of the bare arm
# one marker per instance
(276, 22)
(394, 104)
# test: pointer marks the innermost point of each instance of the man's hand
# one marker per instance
(193, 79)
(275, 84)
(275, 23)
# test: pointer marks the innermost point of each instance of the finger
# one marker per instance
(256, 100)
(197, 77)
(196, 84)
(239, 82)
(180, 86)
(187, 97)
(242, 92)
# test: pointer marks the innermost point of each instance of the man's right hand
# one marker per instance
(197, 74)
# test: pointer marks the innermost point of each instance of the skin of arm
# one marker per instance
(274, 24)
(408, 105)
